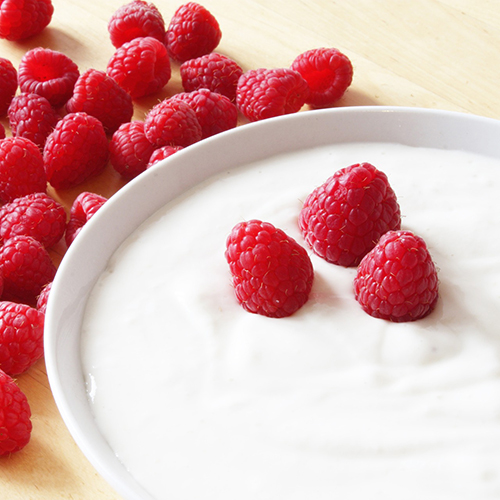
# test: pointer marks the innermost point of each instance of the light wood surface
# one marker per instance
(440, 54)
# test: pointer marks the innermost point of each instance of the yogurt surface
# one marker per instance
(203, 400)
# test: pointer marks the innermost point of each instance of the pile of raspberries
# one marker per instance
(352, 220)
(67, 126)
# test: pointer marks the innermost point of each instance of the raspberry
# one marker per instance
(328, 73)
(48, 73)
(97, 94)
(36, 215)
(21, 169)
(265, 93)
(130, 150)
(42, 299)
(214, 72)
(193, 32)
(15, 416)
(215, 112)
(8, 84)
(2, 132)
(21, 337)
(397, 280)
(162, 153)
(32, 116)
(135, 20)
(20, 19)
(26, 266)
(141, 66)
(83, 209)
(76, 150)
(172, 122)
(343, 219)
(271, 273)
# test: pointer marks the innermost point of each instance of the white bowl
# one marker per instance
(133, 204)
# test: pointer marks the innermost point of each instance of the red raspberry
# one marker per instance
(162, 153)
(215, 112)
(83, 209)
(2, 132)
(193, 32)
(97, 94)
(343, 219)
(48, 73)
(8, 84)
(328, 73)
(26, 266)
(36, 215)
(397, 280)
(271, 273)
(135, 20)
(130, 150)
(15, 416)
(20, 19)
(31, 116)
(213, 71)
(76, 150)
(141, 66)
(264, 93)
(21, 337)
(42, 299)
(21, 169)
(172, 122)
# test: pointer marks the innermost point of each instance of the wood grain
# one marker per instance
(433, 54)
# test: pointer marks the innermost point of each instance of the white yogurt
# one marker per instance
(202, 400)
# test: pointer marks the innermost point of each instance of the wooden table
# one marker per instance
(432, 53)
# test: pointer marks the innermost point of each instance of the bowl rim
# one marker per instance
(142, 196)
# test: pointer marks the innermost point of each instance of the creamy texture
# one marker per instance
(203, 400)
